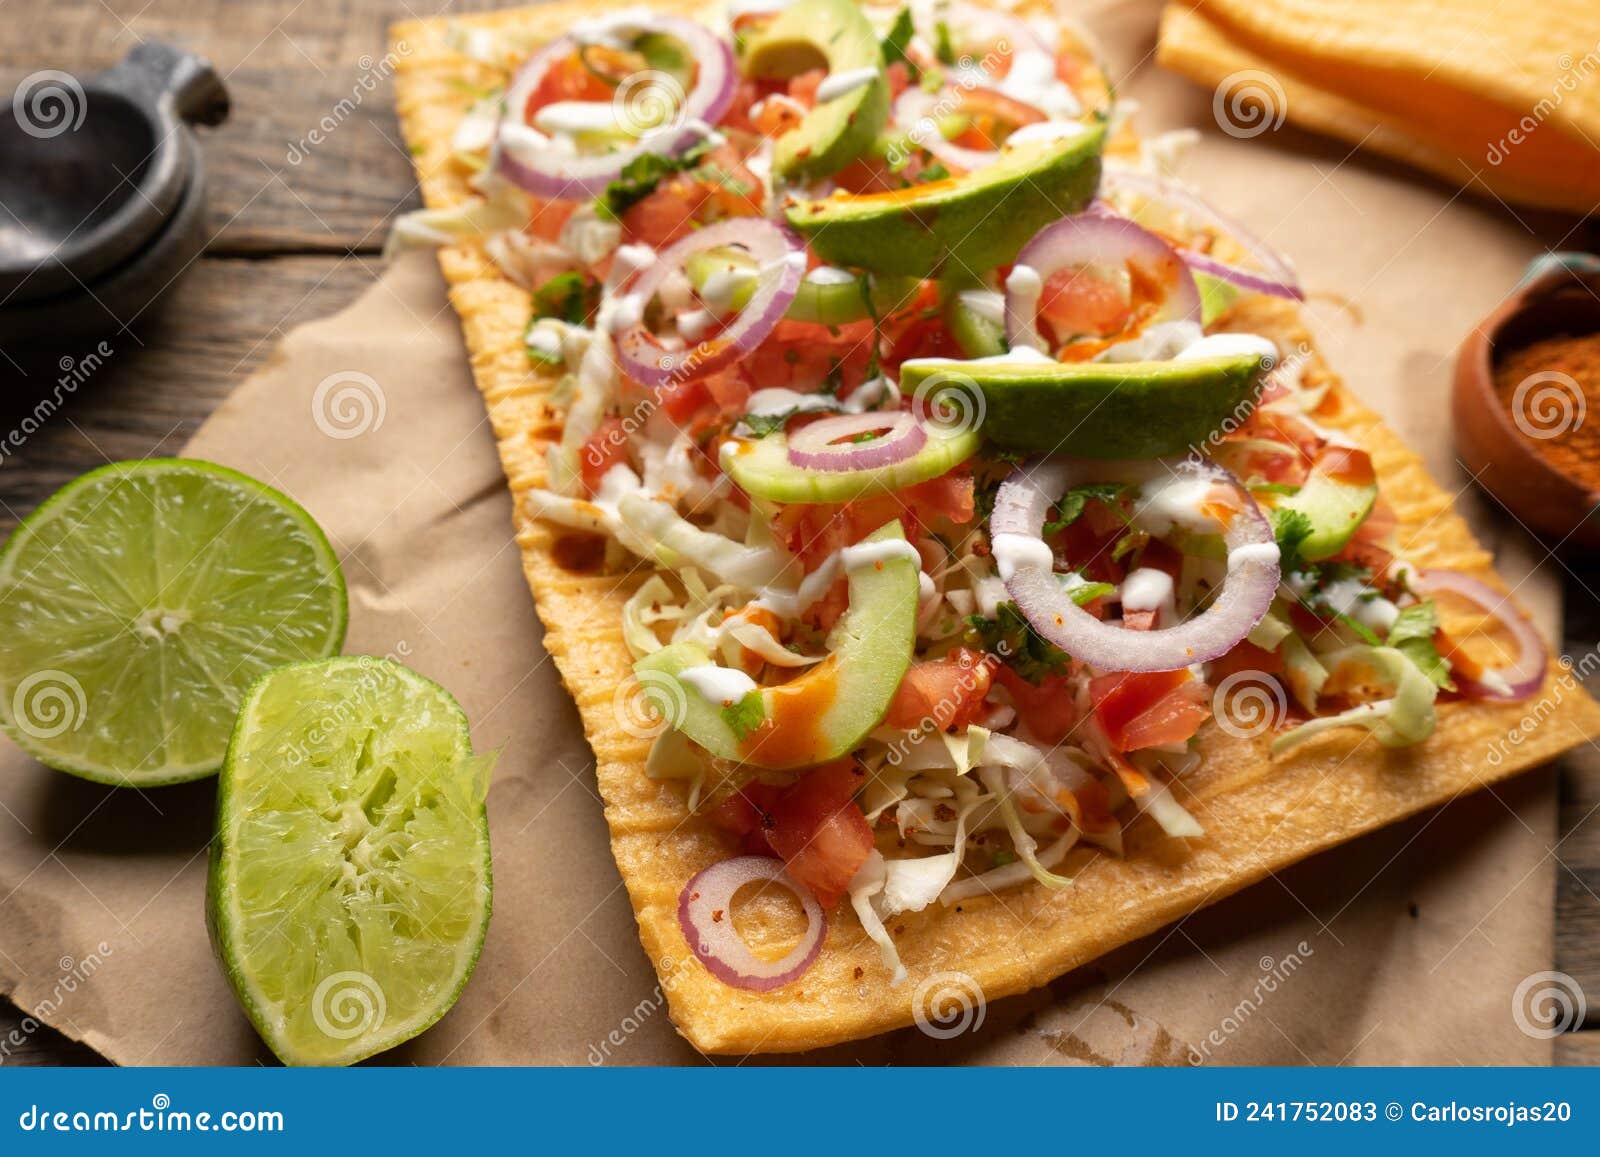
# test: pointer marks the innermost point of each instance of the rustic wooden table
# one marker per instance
(296, 230)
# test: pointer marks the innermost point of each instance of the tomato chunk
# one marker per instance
(947, 692)
(744, 814)
(1148, 709)
(606, 447)
(1045, 708)
(819, 830)
(719, 186)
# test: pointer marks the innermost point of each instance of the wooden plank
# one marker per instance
(288, 66)
(1579, 1048)
(159, 381)
(25, 1042)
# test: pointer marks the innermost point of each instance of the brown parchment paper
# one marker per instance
(1404, 947)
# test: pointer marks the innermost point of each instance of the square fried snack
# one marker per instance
(1260, 814)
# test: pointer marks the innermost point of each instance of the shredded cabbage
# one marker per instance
(1024, 844)
(636, 614)
(1008, 875)
(674, 541)
(867, 884)
(527, 260)
(1303, 671)
(672, 757)
(738, 632)
(1405, 718)
(589, 237)
(966, 750)
(885, 888)
(594, 390)
(656, 602)
(577, 513)
(1269, 632)
(668, 469)
(1162, 806)
(886, 786)
(505, 207)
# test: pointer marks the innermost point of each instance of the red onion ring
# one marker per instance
(553, 172)
(813, 446)
(1523, 677)
(1097, 238)
(1276, 278)
(1020, 509)
(1016, 32)
(705, 914)
(770, 243)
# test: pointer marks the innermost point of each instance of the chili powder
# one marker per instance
(1558, 380)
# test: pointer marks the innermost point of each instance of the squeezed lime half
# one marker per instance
(349, 888)
(140, 601)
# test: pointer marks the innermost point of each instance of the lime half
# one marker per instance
(349, 888)
(140, 601)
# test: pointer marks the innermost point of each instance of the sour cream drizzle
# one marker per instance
(723, 686)
(1013, 552)
(842, 83)
(789, 604)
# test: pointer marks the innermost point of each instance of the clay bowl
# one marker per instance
(1491, 445)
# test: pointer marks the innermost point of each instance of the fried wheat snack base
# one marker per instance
(1260, 815)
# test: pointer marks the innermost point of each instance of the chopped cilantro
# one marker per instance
(934, 172)
(570, 297)
(1365, 633)
(991, 468)
(641, 175)
(1128, 543)
(1087, 592)
(760, 425)
(1412, 635)
(1291, 528)
(1010, 636)
(1001, 858)
(942, 48)
(1070, 508)
(746, 715)
(894, 44)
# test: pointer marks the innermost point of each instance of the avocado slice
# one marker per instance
(1337, 497)
(826, 296)
(825, 712)
(1101, 409)
(976, 222)
(1216, 297)
(977, 335)
(762, 469)
(833, 34)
